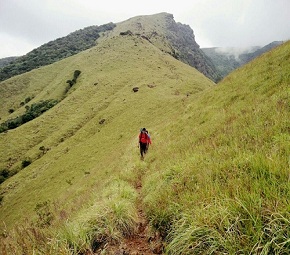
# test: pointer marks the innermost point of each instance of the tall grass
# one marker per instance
(222, 186)
(215, 180)
(230, 232)
(110, 219)
(30, 239)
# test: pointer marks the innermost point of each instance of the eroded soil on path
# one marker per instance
(140, 243)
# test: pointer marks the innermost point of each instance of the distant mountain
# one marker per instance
(224, 59)
(54, 51)
(6, 61)
(43, 110)
(171, 37)
(174, 38)
(247, 57)
(228, 59)
(215, 179)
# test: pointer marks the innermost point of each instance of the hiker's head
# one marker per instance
(143, 130)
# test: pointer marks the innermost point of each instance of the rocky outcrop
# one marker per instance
(171, 37)
(186, 49)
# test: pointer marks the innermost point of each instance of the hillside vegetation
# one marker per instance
(172, 37)
(215, 180)
(83, 158)
(160, 29)
(6, 61)
(228, 59)
(54, 51)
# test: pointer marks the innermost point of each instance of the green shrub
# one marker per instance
(74, 80)
(76, 74)
(4, 174)
(25, 163)
(27, 100)
(32, 112)
(12, 125)
(44, 213)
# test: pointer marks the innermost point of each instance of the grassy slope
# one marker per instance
(90, 152)
(216, 178)
(221, 182)
(171, 37)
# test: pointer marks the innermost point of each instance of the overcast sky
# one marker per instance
(27, 24)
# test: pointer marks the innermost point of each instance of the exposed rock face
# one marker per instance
(174, 38)
(187, 50)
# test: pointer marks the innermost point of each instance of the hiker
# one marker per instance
(143, 141)
(148, 141)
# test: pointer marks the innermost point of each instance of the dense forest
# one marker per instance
(56, 50)
(6, 61)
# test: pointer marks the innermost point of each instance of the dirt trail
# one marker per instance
(141, 243)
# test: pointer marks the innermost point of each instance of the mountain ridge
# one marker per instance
(43, 131)
(54, 51)
(179, 41)
(228, 59)
(172, 37)
(215, 178)
(6, 61)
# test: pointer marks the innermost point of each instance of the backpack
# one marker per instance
(143, 136)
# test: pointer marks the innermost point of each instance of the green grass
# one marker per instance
(215, 181)
(226, 179)
(83, 156)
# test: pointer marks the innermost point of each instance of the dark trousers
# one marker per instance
(143, 147)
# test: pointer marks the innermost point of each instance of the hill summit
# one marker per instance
(171, 37)
(160, 29)
(215, 179)
(85, 119)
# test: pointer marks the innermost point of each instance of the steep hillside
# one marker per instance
(222, 185)
(172, 37)
(6, 61)
(82, 150)
(215, 179)
(160, 29)
(54, 51)
(228, 59)
(247, 57)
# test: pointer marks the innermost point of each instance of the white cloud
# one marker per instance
(225, 23)
(14, 46)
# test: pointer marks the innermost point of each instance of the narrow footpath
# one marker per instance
(142, 242)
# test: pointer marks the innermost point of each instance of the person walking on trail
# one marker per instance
(143, 142)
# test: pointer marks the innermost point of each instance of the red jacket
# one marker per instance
(144, 138)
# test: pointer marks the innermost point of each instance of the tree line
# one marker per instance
(56, 50)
